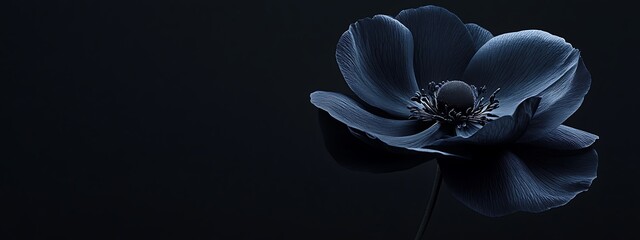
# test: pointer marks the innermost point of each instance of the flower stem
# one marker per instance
(431, 205)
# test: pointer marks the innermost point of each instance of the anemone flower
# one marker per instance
(490, 109)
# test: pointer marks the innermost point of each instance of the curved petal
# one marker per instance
(468, 130)
(350, 151)
(479, 35)
(522, 64)
(565, 138)
(417, 140)
(504, 130)
(443, 44)
(559, 102)
(375, 57)
(349, 112)
(508, 182)
(440, 153)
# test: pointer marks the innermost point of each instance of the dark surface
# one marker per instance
(191, 120)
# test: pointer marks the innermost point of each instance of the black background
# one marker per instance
(191, 120)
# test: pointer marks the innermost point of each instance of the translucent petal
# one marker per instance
(376, 59)
(443, 44)
(511, 181)
(349, 112)
(522, 64)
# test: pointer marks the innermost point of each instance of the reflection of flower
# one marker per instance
(477, 102)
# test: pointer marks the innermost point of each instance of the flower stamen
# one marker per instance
(454, 102)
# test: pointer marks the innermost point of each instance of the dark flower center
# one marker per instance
(457, 95)
(454, 103)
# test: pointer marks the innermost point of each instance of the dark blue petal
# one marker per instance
(349, 112)
(443, 44)
(376, 59)
(522, 64)
(417, 140)
(511, 181)
(468, 130)
(359, 153)
(565, 138)
(559, 102)
(507, 129)
(438, 153)
(479, 35)
(504, 130)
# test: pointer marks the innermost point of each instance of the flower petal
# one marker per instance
(565, 138)
(479, 35)
(522, 64)
(504, 130)
(559, 102)
(417, 140)
(511, 181)
(439, 153)
(375, 57)
(468, 130)
(349, 112)
(443, 44)
(351, 152)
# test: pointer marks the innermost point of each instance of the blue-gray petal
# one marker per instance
(504, 130)
(522, 64)
(511, 181)
(468, 130)
(443, 44)
(559, 102)
(565, 138)
(375, 57)
(439, 153)
(417, 140)
(479, 35)
(356, 152)
(351, 113)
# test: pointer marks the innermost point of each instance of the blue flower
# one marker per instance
(489, 108)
